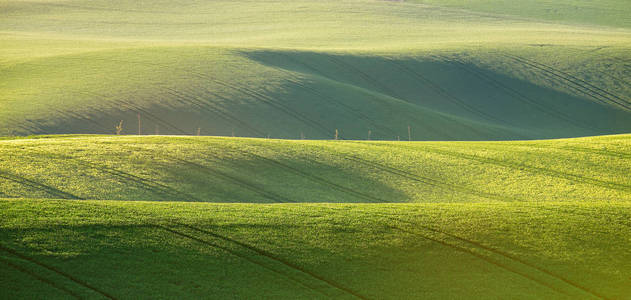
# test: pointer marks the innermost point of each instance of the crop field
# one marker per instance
(245, 68)
(539, 219)
(315, 149)
(119, 249)
(219, 169)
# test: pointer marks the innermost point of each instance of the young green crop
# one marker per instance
(224, 67)
(265, 170)
(122, 249)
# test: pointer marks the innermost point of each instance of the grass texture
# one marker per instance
(220, 169)
(120, 249)
(449, 71)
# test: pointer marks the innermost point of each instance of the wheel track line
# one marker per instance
(580, 85)
(62, 273)
(264, 98)
(597, 151)
(275, 258)
(571, 148)
(37, 185)
(531, 169)
(481, 257)
(124, 177)
(75, 115)
(315, 178)
(589, 86)
(445, 94)
(310, 177)
(131, 106)
(226, 177)
(574, 149)
(423, 179)
(257, 95)
(365, 117)
(559, 80)
(429, 181)
(365, 76)
(472, 129)
(581, 214)
(234, 180)
(503, 254)
(269, 101)
(148, 184)
(349, 109)
(237, 254)
(151, 116)
(358, 114)
(516, 94)
(588, 89)
(193, 100)
(212, 108)
(40, 278)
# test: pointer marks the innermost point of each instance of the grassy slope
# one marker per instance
(73, 67)
(541, 219)
(613, 13)
(376, 251)
(260, 170)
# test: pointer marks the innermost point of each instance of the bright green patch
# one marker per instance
(374, 251)
(261, 170)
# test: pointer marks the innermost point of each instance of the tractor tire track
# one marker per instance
(75, 115)
(481, 257)
(596, 151)
(151, 116)
(237, 254)
(62, 273)
(244, 90)
(331, 100)
(426, 180)
(561, 82)
(208, 107)
(314, 178)
(271, 102)
(138, 109)
(275, 258)
(583, 214)
(37, 185)
(365, 76)
(593, 88)
(422, 179)
(41, 279)
(234, 180)
(458, 102)
(224, 176)
(123, 177)
(348, 109)
(531, 169)
(500, 253)
(518, 95)
(445, 94)
(586, 88)
(390, 131)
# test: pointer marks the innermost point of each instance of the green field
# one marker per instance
(521, 219)
(245, 68)
(217, 169)
(154, 250)
(421, 149)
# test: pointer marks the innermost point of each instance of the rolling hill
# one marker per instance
(433, 149)
(216, 169)
(518, 219)
(129, 250)
(247, 69)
